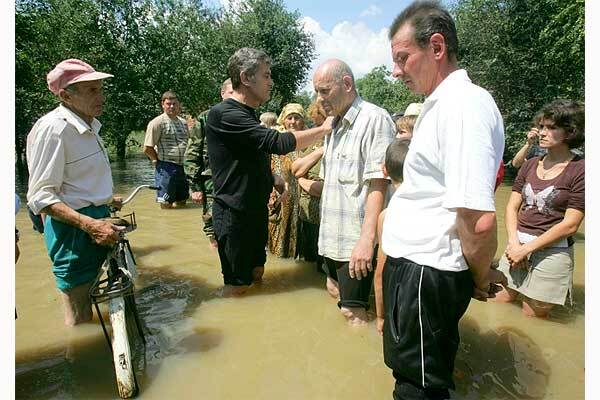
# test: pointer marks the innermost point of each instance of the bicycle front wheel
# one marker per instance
(125, 375)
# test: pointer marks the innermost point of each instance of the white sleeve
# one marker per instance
(46, 162)
(470, 144)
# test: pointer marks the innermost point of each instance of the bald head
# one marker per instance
(334, 85)
(335, 69)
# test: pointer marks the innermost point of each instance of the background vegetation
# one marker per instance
(150, 46)
(525, 52)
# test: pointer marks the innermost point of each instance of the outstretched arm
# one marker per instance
(302, 165)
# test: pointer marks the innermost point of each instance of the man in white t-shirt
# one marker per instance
(440, 228)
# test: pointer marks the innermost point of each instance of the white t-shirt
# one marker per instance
(452, 163)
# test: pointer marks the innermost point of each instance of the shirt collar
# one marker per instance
(460, 75)
(353, 111)
(80, 125)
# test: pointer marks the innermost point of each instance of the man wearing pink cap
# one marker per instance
(70, 182)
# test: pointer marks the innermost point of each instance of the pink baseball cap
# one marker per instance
(72, 71)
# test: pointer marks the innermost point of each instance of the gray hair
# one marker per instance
(428, 17)
(245, 60)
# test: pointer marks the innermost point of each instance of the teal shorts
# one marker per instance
(76, 258)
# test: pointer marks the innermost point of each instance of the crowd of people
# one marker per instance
(403, 204)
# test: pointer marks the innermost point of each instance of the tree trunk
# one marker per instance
(121, 148)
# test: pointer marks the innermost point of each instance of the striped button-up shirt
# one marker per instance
(353, 155)
(169, 138)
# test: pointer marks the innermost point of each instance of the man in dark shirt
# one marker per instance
(239, 151)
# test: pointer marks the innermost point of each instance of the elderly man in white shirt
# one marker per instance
(439, 231)
(70, 182)
(354, 188)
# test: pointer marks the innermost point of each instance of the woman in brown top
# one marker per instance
(545, 209)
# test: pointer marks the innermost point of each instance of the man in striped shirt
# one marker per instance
(165, 144)
(354, 187)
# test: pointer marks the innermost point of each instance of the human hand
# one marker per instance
(517, 255)
(197, 197)
(360, 260)
(532, 135)
(272, 199)
(279, 183)
(379, 325)
(490, 285)
(117, 203)
(328, 125)
(103, 232)
(283, 195)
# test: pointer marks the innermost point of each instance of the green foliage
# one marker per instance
(304, 98)
(525, 52)
(150, 46)
(378, 88)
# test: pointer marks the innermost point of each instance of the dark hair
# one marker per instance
(568, 115)
(245, 60)
(394, 158)
(168, 95)
(428, 17)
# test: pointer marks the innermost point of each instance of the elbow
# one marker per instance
(485, 224)
(476, 223)
(572, 229)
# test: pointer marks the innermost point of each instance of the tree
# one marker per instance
(525, 52)
(267, 25)
(378, 88)
(150, 46)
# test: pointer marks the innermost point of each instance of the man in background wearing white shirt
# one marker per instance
(440, 228)
(70, 182)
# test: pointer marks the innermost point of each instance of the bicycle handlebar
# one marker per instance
(137, 189)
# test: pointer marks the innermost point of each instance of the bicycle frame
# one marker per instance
(118, 290)
(120, 278)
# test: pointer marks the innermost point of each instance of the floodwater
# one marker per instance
(284, 340)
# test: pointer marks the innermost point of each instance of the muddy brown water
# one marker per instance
(284, 340)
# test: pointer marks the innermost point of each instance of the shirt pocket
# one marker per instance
(349, 176)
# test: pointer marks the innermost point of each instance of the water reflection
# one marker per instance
(500, 364)
(285, 340)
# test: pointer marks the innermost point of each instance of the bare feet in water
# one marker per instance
(356, 316)
(257, 274)
(333, 288)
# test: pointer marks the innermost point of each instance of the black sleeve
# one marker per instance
(238, 125)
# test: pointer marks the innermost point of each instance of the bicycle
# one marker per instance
(117, 288)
